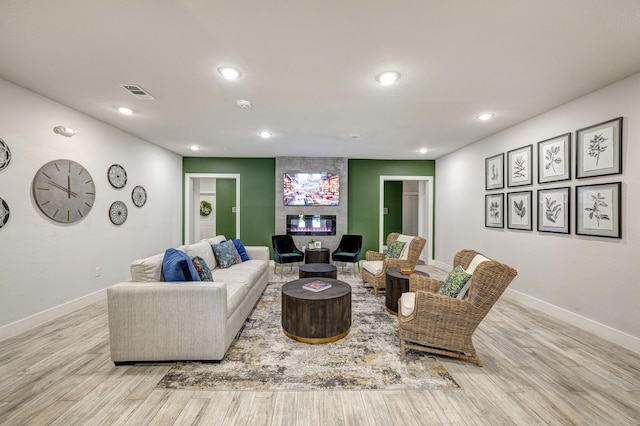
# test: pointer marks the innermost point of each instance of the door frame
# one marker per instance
(190, 208)
(425, 212)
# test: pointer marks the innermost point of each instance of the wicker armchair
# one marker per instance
(379, 263)
(444, 325)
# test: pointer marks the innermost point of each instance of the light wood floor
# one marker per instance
(537, 371)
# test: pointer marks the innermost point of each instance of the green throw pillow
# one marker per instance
(395, 249)
(454, 282)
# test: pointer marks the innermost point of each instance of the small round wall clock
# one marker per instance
(64, 191)
(139, 196)
(4, 213)
(118, 213)
(5, 155)
(117, 176)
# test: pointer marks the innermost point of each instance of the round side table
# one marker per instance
(396, 284)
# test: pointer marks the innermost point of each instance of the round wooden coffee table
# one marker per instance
(316, 317)
(396, 284)
(318, 270)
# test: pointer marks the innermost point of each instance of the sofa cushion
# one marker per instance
(241, 250)
(407, 303)
(177, 266)
(454, 282)
(373, 266)
(148, 269)
(202, 249)
(236, 294)
(478, 259)
(226, 254)
(215, 240)
(245, 273)
(202, 269)
(395, 249)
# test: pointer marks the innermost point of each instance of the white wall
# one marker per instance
(588, 281)
(46, 267)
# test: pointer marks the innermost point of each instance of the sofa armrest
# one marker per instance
(258, 252)
(159, 321)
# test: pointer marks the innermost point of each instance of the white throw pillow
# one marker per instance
(407, 303)
(202, 249)
(478, 259)
(373, 266)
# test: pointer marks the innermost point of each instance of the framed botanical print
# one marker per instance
(554, 159)
(520, 166)
(553, 210)
(599, 149)
(494, 210)
(599, 210)
(494, 172)
(520, 211)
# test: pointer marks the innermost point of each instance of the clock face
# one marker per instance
(139, 196)
(117, 176)
(64, 191)
(5, 155)
(4, 213)
(118, 213)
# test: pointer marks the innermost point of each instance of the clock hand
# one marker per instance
(69, 185)
(68, 191)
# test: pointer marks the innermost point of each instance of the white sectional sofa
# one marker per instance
(153, 320)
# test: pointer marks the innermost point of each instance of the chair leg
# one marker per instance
(281, 269)
(275, 267)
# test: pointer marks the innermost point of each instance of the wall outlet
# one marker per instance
(98, 271)
(233, 209)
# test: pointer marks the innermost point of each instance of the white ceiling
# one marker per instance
(309, 67)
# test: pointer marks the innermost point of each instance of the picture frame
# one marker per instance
(599, 210)
(554, 159)
(520, 166)
(494, 210)
(318, 244)
(554, 206)
(520, 210)
(494, 172)
(599, 149)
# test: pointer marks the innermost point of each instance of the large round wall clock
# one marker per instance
(118, 213)
(64, 191)
(117, 176)
(4, 213)
(5, 155)
(139, 196)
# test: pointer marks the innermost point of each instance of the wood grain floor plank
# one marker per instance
(192, 412)
(262, 409)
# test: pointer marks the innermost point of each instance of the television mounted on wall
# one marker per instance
(311, 189)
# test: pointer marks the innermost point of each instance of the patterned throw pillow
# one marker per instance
(395, 249)
(226, 254)
(204, 272)
(454, 282)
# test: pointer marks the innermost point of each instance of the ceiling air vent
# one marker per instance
(138, 92)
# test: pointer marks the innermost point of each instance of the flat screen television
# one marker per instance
(311, 189)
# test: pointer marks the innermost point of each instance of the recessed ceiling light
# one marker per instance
(485, 116)
(423, 150)
(125, 110)
(230, 73)
(388, 77)
(244, 104)
(265, 134)
(194, 148)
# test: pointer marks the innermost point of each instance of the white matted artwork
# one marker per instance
(494, 172)
(494, 210)
(520, 166)
(553, 210)
(520, 210)
(598, 210)
(554, 159)
(318, 244)
(599, 149)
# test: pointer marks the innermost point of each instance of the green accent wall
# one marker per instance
(257, 193)
(364, 192)
(225, 202)
(393, 203)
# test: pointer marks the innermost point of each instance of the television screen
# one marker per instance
(311, 189)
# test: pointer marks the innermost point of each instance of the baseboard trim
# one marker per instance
(611, 334)
(36, 320)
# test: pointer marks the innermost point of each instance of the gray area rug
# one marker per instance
(263, 358)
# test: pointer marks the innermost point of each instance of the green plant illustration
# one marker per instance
(552, 209)
(551, 158)
(598, 201)
(596, 147)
